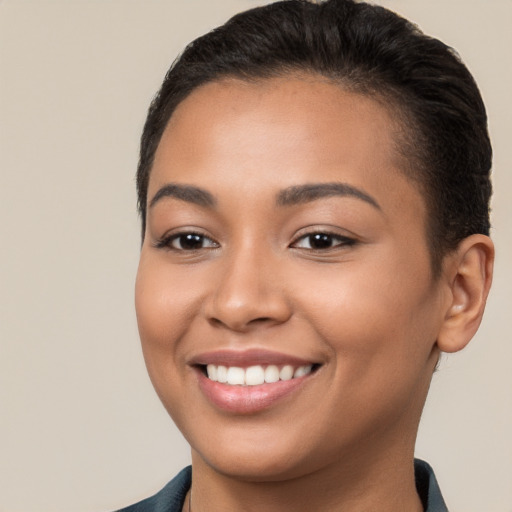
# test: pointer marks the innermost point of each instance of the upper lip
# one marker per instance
(248, 357)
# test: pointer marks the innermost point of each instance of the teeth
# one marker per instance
(236, 376)
(301, 371)
(222, 374)
(271, 374)
(286, 372)
(254, 375)
(211, 370)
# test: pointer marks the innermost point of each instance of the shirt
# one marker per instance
(172, 496)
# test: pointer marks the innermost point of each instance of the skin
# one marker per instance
(367, 309)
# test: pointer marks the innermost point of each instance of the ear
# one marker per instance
(469, 273)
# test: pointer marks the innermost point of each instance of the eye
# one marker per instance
(186, 242)
(322, 241)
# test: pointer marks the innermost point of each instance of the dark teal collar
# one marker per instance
(428, 488)
(172, 496)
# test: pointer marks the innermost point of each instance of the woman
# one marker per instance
(314, 188)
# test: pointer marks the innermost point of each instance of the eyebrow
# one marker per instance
(310, 192)
(291, 196)
(187, 193)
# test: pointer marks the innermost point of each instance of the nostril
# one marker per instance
(240, 325)
(261, 320)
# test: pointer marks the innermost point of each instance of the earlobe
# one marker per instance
(469, 270)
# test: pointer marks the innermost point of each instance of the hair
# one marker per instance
(366, 49)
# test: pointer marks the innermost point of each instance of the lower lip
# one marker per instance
(248, 399)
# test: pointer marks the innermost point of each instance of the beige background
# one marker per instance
(80, 426)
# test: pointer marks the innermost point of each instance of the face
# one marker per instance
(285, 256)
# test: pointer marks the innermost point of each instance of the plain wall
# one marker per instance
(81, 429)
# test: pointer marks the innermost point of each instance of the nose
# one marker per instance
(249, 292)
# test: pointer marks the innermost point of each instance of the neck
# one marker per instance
(386, 484)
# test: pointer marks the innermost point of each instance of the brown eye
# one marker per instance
(322, 241)
(187, 242)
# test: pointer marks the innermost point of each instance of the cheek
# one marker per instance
(372, 311)
(164, 311)
(380, 329)
(164, 305)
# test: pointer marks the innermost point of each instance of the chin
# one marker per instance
(258, 455)
(260, 467)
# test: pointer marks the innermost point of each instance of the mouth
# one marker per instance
(255, 375)
(251, 381)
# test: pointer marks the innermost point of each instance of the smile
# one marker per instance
(250, 381)
(255, 375)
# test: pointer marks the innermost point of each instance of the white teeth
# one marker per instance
(271, 374)
(211, 370)
(255, 375)
(236, 375)
(222, 374)
(301, 371)
(286, 372)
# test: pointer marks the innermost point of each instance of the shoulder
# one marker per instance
(169, 499)
(428, 488)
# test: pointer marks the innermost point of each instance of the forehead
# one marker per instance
(274, 133)
(309, 110)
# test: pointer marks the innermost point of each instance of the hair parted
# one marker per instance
(370, 50)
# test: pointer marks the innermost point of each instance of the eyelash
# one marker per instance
(166, 242)
(343, 241)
